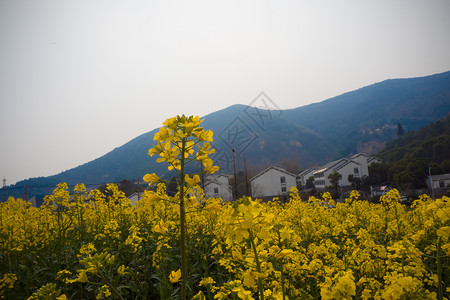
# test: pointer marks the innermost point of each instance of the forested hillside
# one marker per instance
(407, 159)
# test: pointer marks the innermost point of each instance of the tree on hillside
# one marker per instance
(334, 180)
(127, 187)
(172, 187)
(444, 167)
(355, 181)
(291, 165)
(309, 189)
(243, 184)
(400, 130)
(309, 182)
(408, 173)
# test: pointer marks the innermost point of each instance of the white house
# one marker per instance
(365, 161)
(303, 176)
(361, 159)
(218, 186)
(134, 198)
(343, 166)
(357, 165)
(37, 201)
(274, 181)
(372, 160)
(379, 190)
(438, 184)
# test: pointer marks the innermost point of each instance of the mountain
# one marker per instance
(361, 120)
(357, 120)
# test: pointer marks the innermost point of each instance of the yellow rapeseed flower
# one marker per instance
(122, 270)
(175, 276)
(191, 181)
(151, 178)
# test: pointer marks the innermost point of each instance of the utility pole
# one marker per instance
(246, 177)
(138, 188)
(4, 190)
(431, 183)
(202, 176)
(235, 176)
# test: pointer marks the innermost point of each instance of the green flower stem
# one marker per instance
(283, 288)
(258, 265)
(183, 223)
(439, 269)
(110, 285)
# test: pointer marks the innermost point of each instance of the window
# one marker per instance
(441, 184)
(216, 191)
(283, 189)
(283, 179)
(355, 170)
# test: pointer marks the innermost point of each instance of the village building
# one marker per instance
(274, 181)
(379, 190)
(343, 166)
(303, 176)
(361, 159)
(365, 161)
(357, 166)
(438, 184)
(218, 186)
(37, 200)
(134, 197)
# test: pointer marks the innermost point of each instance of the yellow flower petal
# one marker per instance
(175, 276)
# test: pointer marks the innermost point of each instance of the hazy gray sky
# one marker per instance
(79, 78)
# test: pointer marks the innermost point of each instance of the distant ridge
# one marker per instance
(361, 120)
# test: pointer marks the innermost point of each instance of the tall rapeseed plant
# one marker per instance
(179, 142)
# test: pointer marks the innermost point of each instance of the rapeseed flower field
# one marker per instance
(94, 245)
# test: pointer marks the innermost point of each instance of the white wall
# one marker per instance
(362, 161)
(436, 183)
(305, 176)
(223, 186)
(133, 198)
(344, 171)
(320, 187)
(348, 170)
(269, 183)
